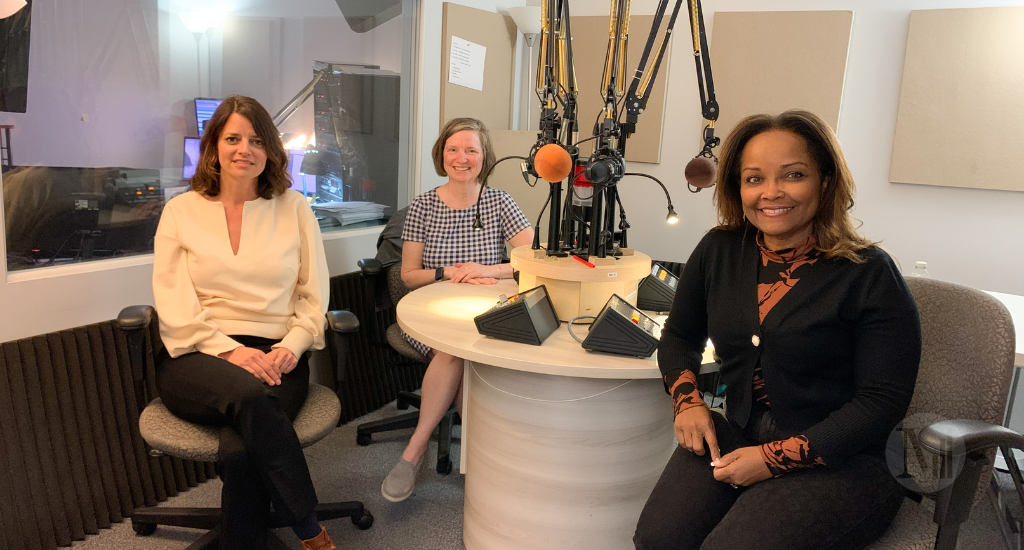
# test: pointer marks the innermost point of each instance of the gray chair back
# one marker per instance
(396, 287)
(967, 353)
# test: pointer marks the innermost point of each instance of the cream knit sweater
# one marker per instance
(275, 287)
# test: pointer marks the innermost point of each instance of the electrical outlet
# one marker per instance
(85, 117)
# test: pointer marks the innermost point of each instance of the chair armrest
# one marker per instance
(134, 322)
(342, 321)
(135, 317)
(370, 266)
(948, 437)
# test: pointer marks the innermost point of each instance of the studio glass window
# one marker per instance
(103, 126)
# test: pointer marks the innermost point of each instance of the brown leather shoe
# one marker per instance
(319, 542)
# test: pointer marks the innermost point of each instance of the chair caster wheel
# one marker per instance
(444, 466)
(363, 522)
(143, 529)
(363, 439)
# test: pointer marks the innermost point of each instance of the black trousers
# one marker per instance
(261, 460)
(814, 508)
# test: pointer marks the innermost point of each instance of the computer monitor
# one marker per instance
(204, 110)
(190, 157)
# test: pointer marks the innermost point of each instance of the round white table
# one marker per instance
(560, 447)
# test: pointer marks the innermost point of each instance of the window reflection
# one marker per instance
(110, 130)
(57, 215)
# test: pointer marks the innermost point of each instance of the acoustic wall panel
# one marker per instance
(961, 113)
(71, 457)
(496, 32)
(589, 44)
(768, 62)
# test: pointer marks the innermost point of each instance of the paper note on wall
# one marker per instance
(466, 64)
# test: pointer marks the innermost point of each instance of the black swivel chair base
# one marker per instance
(364, 433)
(145, 521)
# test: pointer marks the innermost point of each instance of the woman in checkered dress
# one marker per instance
(441, 245)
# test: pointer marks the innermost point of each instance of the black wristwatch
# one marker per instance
(439, 274)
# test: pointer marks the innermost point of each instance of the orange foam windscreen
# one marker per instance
(552, 163)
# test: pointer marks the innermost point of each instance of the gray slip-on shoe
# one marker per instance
(401, 481)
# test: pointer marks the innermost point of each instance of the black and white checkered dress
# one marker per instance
(448, 237)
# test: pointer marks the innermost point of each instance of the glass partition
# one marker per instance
(117, 97)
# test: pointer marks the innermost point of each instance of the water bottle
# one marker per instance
(921, 270)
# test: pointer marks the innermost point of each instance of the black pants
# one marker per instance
(261, 460)
(814, 508)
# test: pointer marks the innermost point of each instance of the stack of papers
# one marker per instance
(349, 212)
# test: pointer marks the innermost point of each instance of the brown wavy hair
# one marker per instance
(455, 126)
(834, 228)
(274, 179)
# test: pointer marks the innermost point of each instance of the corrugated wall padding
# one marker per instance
(71, 457)
(375, 372)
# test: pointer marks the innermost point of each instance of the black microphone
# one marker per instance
(702, 169)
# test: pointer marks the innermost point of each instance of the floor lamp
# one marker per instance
(527, 19)
(201, 23)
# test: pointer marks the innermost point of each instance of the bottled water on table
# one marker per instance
(920, 270)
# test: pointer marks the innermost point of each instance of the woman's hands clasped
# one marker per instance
(744, 466)
(473, 273)
(267, 367)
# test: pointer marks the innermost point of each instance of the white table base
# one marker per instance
(557, 461)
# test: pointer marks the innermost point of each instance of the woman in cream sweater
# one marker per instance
(240, 283)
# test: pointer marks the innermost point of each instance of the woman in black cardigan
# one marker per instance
(820, 342)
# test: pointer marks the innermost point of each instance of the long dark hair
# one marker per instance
(834, 228)
(274, 179)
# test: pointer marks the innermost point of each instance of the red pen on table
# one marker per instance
(582, 261)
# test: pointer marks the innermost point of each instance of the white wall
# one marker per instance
(967, 236)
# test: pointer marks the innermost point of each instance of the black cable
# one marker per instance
(577, 144)
(536, 233)
(63, 244)
(476, 222)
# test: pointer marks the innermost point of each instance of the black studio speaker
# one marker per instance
(657, 291)
(622, 329)
(526, 318)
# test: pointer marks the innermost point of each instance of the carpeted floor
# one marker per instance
(431, 519)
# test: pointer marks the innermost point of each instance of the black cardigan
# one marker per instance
(839, 352)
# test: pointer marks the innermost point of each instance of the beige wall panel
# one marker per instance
(589, 43)
(768, 62)
(961, 113)
(498, 33)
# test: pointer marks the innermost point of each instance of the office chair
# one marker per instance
(384, 289)
(967, 353)
(167, 434)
